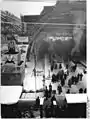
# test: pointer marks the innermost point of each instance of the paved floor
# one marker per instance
(29, 82)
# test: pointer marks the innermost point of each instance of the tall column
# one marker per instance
(35, 63)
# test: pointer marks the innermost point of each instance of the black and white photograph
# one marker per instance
(43, 59)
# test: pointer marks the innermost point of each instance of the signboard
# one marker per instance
(22, 39)
(62, 38)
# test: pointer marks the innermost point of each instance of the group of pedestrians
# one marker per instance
(60, 76)
(75, 79)
(55, 66)
(47, 104)
(48, 93)
(63, 75)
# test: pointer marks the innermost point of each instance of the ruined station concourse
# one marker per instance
(39, 51)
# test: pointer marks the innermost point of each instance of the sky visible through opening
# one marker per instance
(25, 8)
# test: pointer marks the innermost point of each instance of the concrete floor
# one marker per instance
(29, 81)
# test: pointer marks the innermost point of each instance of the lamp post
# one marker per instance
(35, 62)
(43, 81)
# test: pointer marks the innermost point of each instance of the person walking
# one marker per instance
(37, 102)
(50, 90)
(81, 75)
(41, 106)
(46, 92)
(59, 88)
(53, 106)
(60, 66)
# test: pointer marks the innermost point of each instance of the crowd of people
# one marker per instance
(48, 103)
(62, 77)
(61, 73)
